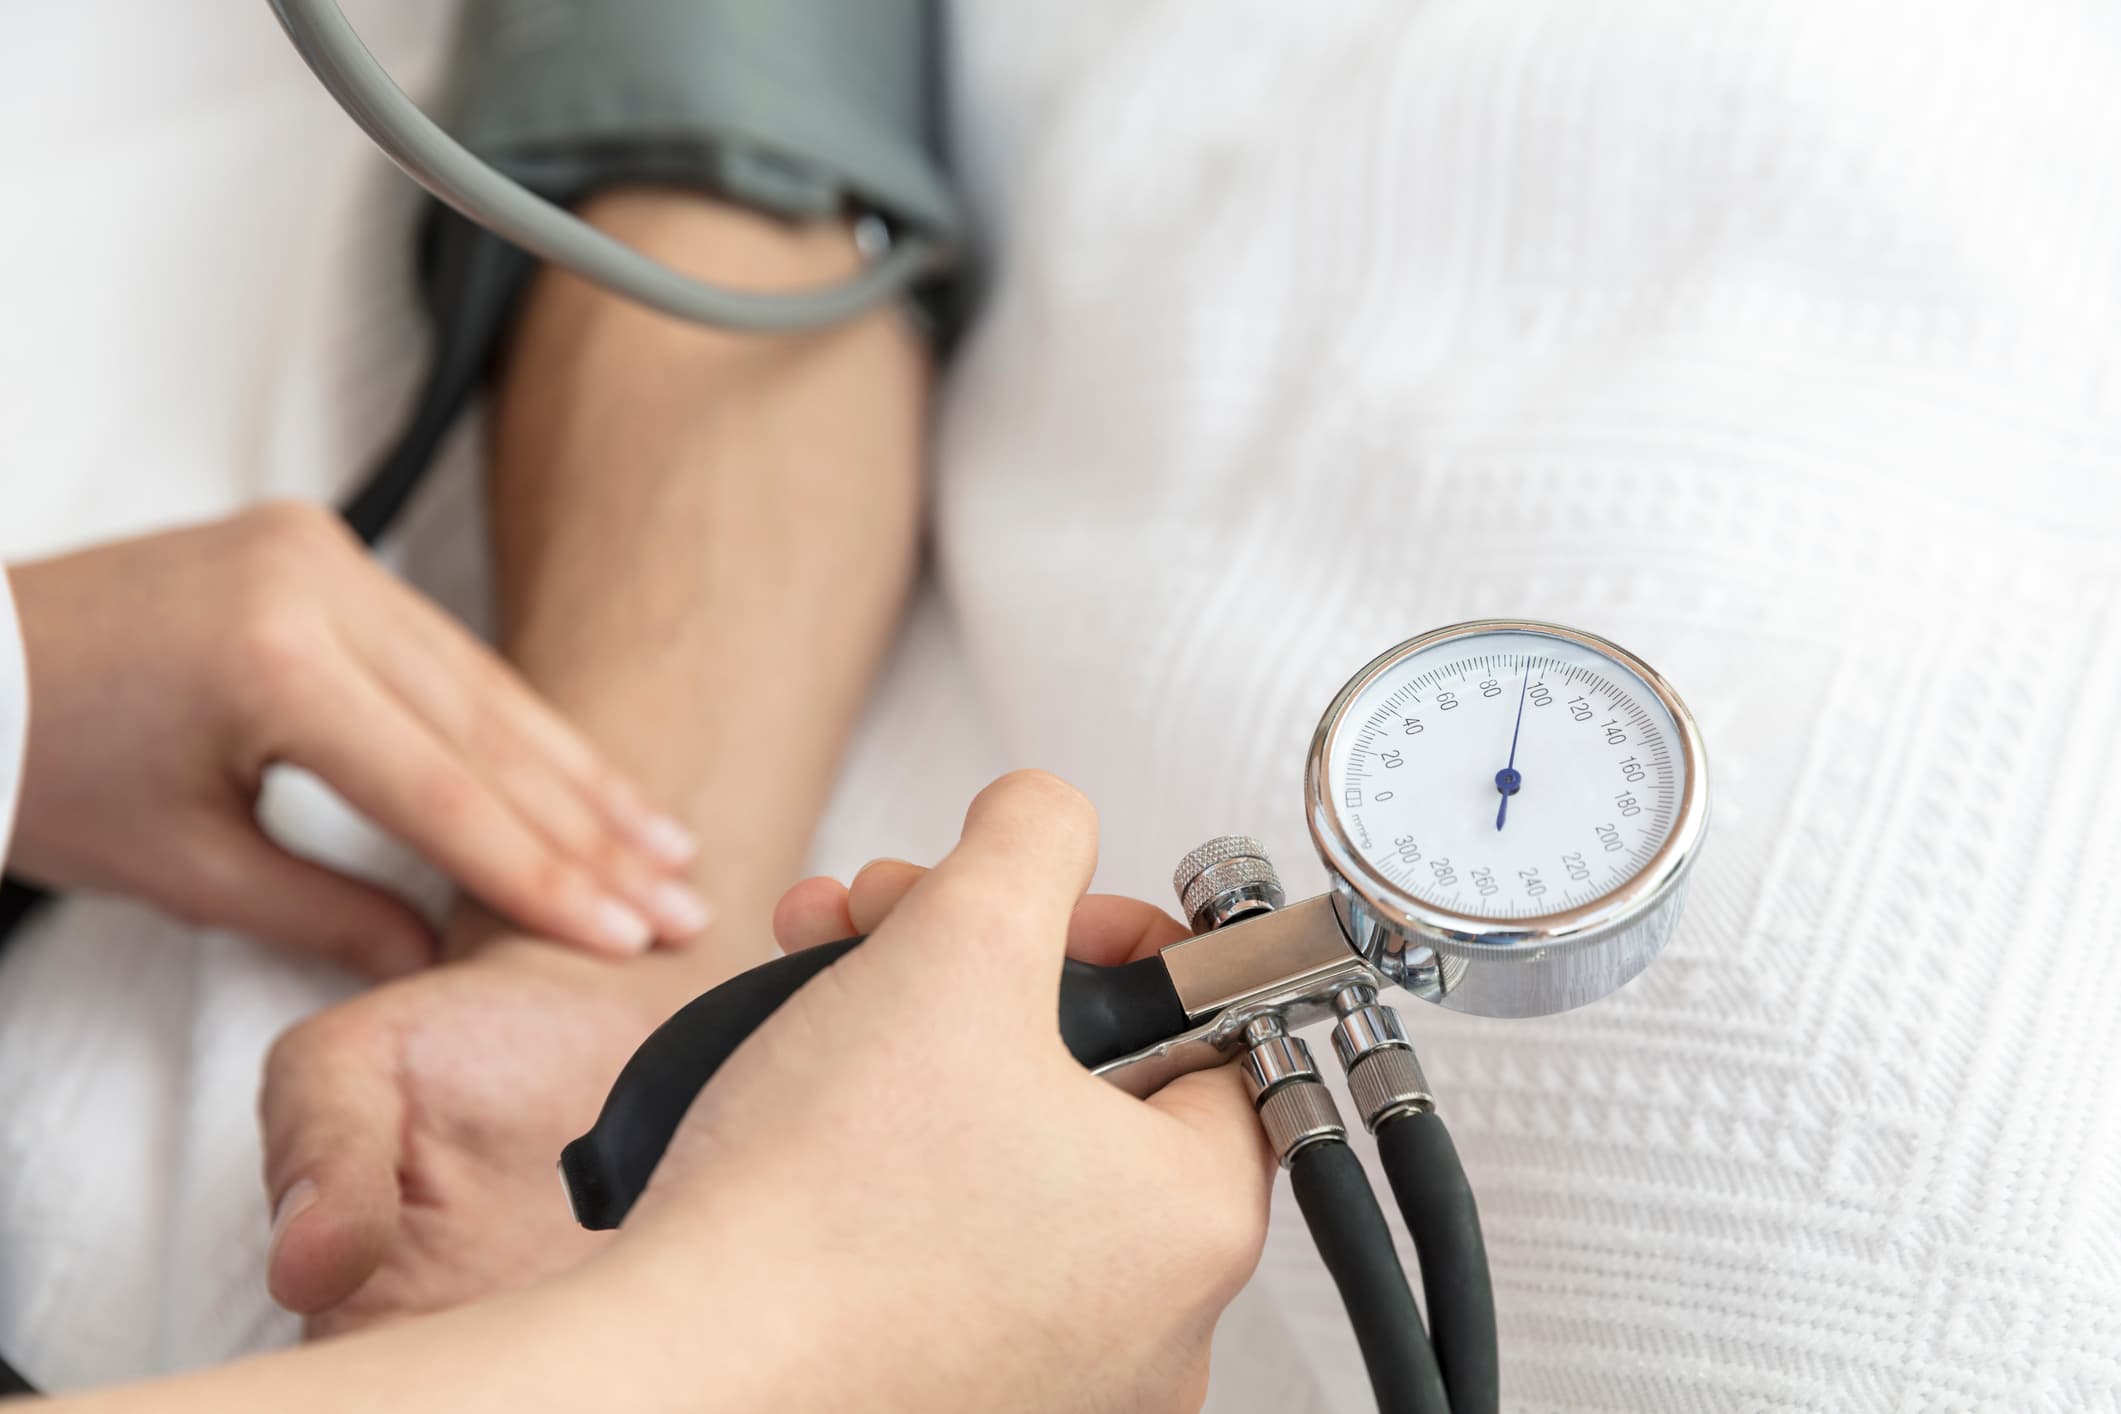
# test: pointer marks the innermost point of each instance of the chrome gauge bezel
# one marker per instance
(1587, 950)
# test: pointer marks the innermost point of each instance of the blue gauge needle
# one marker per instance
(1507, 780)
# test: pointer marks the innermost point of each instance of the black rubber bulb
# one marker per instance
(1105, 1013)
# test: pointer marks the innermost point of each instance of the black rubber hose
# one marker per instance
(1422, 1164)
(490, 276)
(1350, 1231)
(1105, 1013)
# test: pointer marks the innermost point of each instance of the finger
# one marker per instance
(472, 696)
(1108, 929)
(1228, 1170)
(1217, 1108)
(331, 1117)
(994, 914)
(1104, 929)
(811, 914)
(393, 769)
(561, 818)
(877, 888)
(234, 877)
(531, 758)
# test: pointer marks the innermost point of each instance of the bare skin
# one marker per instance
(703, 543)
(168, 672)
(1023, 1237)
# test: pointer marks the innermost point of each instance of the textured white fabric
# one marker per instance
(206, 302)
(1774, 341)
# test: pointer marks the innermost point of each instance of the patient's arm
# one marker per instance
(703, 541)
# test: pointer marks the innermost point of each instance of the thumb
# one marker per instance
(993, 915)
(332, 1115)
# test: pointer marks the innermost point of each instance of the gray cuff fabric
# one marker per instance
(787, 103)
(798, 108)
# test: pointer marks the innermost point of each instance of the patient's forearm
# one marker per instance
(704, 540)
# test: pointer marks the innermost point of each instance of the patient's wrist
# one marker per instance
(658, 982)
(701, 538)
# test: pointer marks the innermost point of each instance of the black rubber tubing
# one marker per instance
(1422, 1165)
(1105, 1013)
(492, 276)
(12, 1382)
(1350, 1231)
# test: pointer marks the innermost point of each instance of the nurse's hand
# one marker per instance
(943, 1179)
(168, 672)
(900, 1194)
(903, 1193)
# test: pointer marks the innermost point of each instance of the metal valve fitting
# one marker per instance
(1228, 878)
(1294, 1105)
(1384, 1075)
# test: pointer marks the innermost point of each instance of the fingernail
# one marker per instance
(297, 1200)
(885, 859)
(682, 912)
(620, 928)
(668, 840)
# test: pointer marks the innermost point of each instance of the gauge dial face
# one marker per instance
(1506, 774)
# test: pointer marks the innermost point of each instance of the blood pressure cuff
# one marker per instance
(796, 108)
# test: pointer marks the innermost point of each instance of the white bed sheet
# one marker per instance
(1775, 342)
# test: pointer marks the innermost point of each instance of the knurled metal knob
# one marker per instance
(1294, 1105)
(1298, 1115)
(1387, 1083)
(1228, 878)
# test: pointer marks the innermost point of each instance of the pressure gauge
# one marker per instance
(1508, 810)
